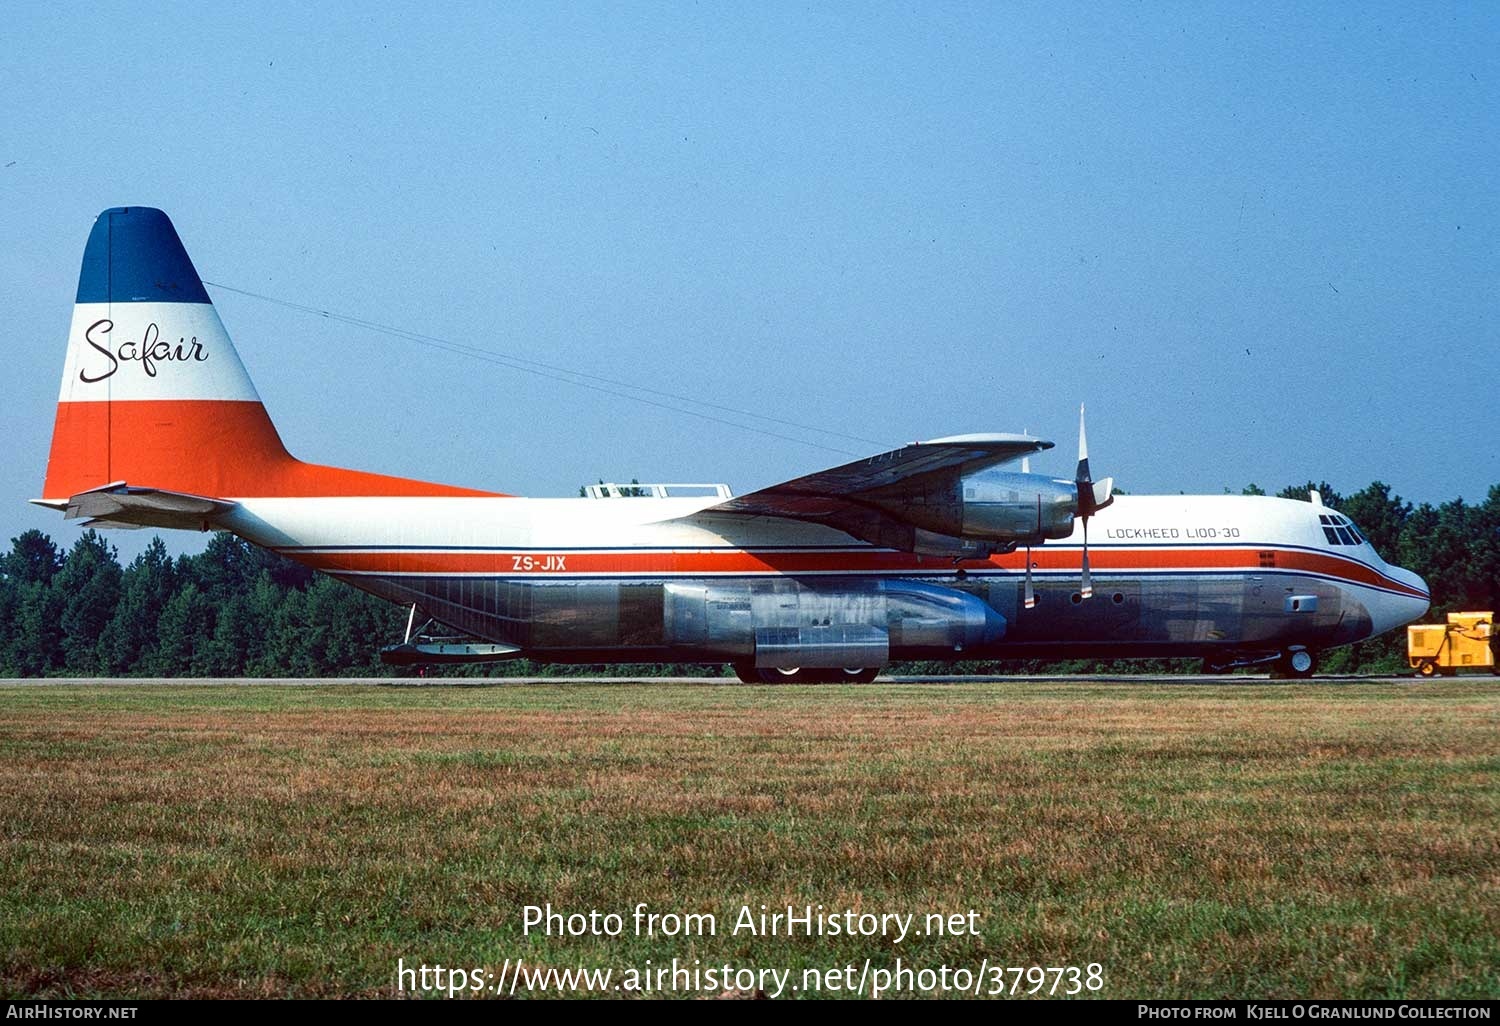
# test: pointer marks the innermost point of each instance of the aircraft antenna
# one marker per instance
(570, 376)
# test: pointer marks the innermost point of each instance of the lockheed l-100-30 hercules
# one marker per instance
(932, 551)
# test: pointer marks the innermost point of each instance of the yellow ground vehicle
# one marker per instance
(1466, 640)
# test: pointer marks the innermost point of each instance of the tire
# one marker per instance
(749, 673)
(1428, 668)
(1299, 663)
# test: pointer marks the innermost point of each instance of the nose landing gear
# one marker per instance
(1299, 663)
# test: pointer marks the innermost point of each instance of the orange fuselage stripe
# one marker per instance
(733, 561)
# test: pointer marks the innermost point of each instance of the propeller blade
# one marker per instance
(1087, 587)
(1103, 492)
(1083, 451)
(1030, 595)
(1091, 499)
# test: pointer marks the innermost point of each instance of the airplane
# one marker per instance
(933, 551)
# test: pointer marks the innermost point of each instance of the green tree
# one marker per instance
(246, 638)
(1446, 544)
(30, 635)
(346, 628)
(1380, 516)
(184, 631)
(35, 647)
(230, 566)
(288, 642)
(89, 588)
(9, 597)
(228, 651)
(148, 583)
(32, 559)
(1486, 559)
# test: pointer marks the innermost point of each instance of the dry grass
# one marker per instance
(1261, 840)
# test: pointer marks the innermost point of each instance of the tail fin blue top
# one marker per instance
(133, 256)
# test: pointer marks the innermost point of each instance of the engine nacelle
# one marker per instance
(1019, 507)
(988, 506)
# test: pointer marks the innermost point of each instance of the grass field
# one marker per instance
(1245, 840)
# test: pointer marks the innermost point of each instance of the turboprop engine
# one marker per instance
(998, 506)
(989, 506)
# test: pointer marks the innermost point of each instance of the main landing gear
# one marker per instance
(749, 673)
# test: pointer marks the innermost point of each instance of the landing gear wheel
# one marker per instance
(1299, 663)
(749, 673)
(752, 674)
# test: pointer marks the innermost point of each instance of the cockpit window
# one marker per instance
(1338, 530)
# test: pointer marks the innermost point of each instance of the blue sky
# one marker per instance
(1258, 240)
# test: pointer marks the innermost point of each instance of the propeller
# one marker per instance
(1092, 497)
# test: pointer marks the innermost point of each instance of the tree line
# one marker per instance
(234, 610)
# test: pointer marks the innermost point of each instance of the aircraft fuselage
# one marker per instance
(627, 580)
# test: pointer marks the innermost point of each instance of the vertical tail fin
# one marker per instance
(154, 394)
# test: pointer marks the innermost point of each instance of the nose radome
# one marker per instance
(1399, 610)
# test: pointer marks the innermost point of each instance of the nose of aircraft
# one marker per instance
(1398, 610)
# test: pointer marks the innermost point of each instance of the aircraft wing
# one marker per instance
(118, 505)
(850, 498)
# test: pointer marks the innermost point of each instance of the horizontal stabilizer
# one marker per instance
(118, 505)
